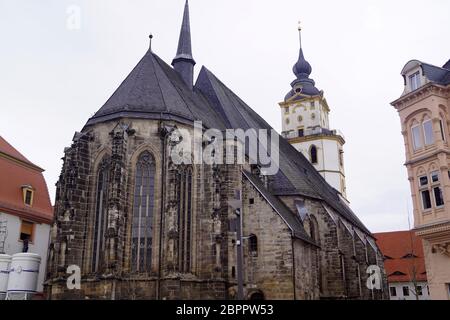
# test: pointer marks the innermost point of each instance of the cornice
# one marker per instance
(420, 94)
(317, 137)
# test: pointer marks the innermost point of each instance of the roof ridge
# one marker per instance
(176, 89)
(16, 155)
(156, 76)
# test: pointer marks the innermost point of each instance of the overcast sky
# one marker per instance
(53, 78)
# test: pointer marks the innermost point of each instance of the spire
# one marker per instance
(302, 69)
(300, 33)
(183, 62)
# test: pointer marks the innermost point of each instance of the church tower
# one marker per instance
(305, 124)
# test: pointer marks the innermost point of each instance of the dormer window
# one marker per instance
(28, 194)
(414, 81)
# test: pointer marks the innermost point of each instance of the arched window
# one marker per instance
(428, 131)
(314, 229)
(142, 223)
(253, 245)
(313, 154)
(101, 212)
(184, 192)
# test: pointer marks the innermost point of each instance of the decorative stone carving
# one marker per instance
(441, 248)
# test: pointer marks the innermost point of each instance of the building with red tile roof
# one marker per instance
(404, 264)
(16, 173)
(26, 212)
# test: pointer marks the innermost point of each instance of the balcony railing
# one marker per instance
(311, 132)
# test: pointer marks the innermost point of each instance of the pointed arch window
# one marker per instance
(101, 206)
(142, 220)
(253, 245)
(313, 154)
(184, 192)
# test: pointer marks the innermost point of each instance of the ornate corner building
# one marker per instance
(425, 120)
(141, 226)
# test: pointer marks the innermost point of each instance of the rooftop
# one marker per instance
(404, 258)
(16, 172)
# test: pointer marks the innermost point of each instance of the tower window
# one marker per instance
(428, 132)
(313, 154)
(301, 132)
(414, 81)
(313, 116)
(287, 121)
(300, 118)
(286, 110)
(312, 105)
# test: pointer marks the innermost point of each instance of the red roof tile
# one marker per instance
(396, 246)
(15, 172)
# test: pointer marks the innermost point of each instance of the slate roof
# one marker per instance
(436, 74)
(17, 171)
(296, 175)
(302, 70)
(403, 253)
(292, 220)
(154, 90)
(184, 50)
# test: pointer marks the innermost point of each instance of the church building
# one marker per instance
(140, 225)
